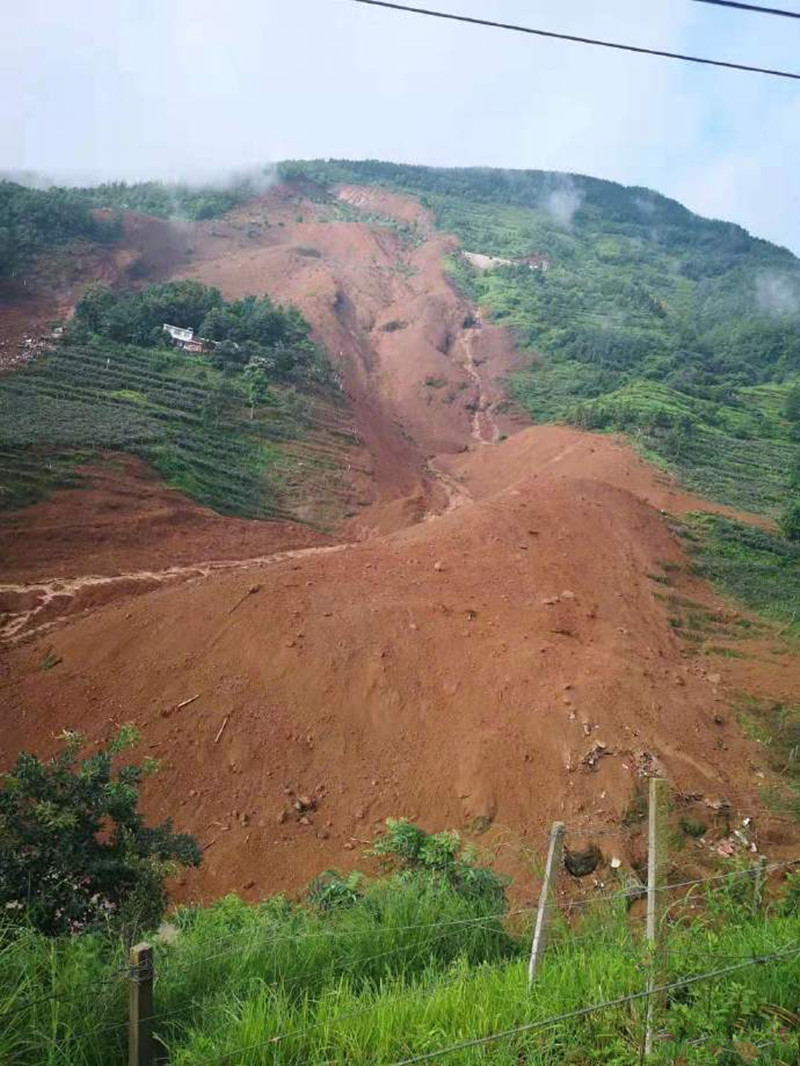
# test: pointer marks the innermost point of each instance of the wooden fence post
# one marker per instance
(140, 1007)
(554, 851)
(658, 825)
(760, 883)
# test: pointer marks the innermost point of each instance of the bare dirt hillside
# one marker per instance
(499, 665)
(125, 519)
(480, 647)
(420, 381)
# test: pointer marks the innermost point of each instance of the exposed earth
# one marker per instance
(480, 646)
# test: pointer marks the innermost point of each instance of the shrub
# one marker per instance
(790, 521)
(74, 850)
(333, 889)
(440, 857)
(693, 827)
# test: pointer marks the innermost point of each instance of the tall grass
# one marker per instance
(408, 969)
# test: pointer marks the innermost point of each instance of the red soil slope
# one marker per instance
(498, 664)
(385, 311)
(461, 669)
(125, 519)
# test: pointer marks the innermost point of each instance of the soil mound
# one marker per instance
(501, 665)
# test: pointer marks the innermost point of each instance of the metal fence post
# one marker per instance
(140, 1007)
(554, 851)
(658, 825)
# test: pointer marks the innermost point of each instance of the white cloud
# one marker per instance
(189, 87)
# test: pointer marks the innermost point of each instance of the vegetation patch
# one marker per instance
(759, 568)
(34, 219)
(168, 200)
(219, 426)
(378, 971)
(75, 853)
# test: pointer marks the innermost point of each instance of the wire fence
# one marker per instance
(418, 984)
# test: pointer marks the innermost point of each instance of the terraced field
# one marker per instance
(191, 422)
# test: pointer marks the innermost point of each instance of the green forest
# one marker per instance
(248, 335)
(32, 220)
(680, 331)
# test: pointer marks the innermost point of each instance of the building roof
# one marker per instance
(178, 333)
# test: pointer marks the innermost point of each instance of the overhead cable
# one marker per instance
(573, 38)
(752, 7)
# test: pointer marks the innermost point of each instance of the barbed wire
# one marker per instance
(177, 966)
(90, 989)
(553, 1019)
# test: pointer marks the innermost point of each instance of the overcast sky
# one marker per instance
(177, 88)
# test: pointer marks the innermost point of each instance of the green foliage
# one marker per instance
(405, 970)
(212, 425)
(174, 410)
(75, 852)
(332, 889)
(757, 567)
(790, 521)
(178, 201)
(33, 219)
(693, 828)
(243, 330)
(441, 856)
(792, 409)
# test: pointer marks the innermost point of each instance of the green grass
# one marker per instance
(173, 410)
(759, 568)
(407, 970)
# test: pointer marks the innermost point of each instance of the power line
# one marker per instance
(579, 40)
(752, 7)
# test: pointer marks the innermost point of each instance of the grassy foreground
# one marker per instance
(403, 967)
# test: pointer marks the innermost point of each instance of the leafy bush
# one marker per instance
(75, 852)
(790, 521)
(442, 857)
(332, 889)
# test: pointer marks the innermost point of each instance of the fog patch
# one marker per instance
(778, 294)
(563, 202)
(255, 179)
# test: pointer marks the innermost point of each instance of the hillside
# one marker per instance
(505, 623)
(680, 331)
